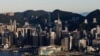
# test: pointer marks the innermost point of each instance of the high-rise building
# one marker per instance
(70, 43)
(43, 38)
(65, 44)
(98, 32)
(58, 25)
(94, 20)
(75, 40)
(65, 40)
(98, 29)
(35, 39)
(58, 30)
(52, 38)
(14, 23)
(85, 21)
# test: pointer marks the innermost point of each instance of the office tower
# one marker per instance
(85, 21)
(26, 30)
(48, 38)
(11, 39)
(7, 39)
(65, 43)
(75, 40)
(89, 38)
(14, 23)
(15, 37)
(1, 27)
(58, 25)
(70, 43)
(23, 32)
(58, 28)
(20, 39)
(43, 38)
(65, 40)
(94, 20)
(6, 43)
(29, 38)
(11, 25)
(94, 33)
(98, 32)
(52, 38)
(2, 34)
(98, 29)
(75, 34)
(35, 41)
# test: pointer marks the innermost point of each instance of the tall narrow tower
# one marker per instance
(14, 23)
(52, 38)
(11, 24)
(58, 24)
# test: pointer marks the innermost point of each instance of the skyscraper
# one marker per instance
(75, 40)
(58, 25)
(58, 30)
(65, 42)
(52, 38)
(35, 39)
(14, 23)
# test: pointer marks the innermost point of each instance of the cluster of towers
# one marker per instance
(35, 36)
(7, 33)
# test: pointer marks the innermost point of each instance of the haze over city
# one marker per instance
(49, 5)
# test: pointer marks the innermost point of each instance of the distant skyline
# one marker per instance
(77, 6)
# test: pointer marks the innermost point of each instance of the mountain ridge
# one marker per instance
(30, 16)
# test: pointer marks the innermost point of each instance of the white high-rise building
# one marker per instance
(86, 21)
(98, 29)
(58, 27)
(70, 45)
(98, 32)
(52, 38)
(94, 20)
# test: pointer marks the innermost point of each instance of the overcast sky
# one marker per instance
(49, 5)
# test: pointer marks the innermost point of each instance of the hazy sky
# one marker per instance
(49, 5)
